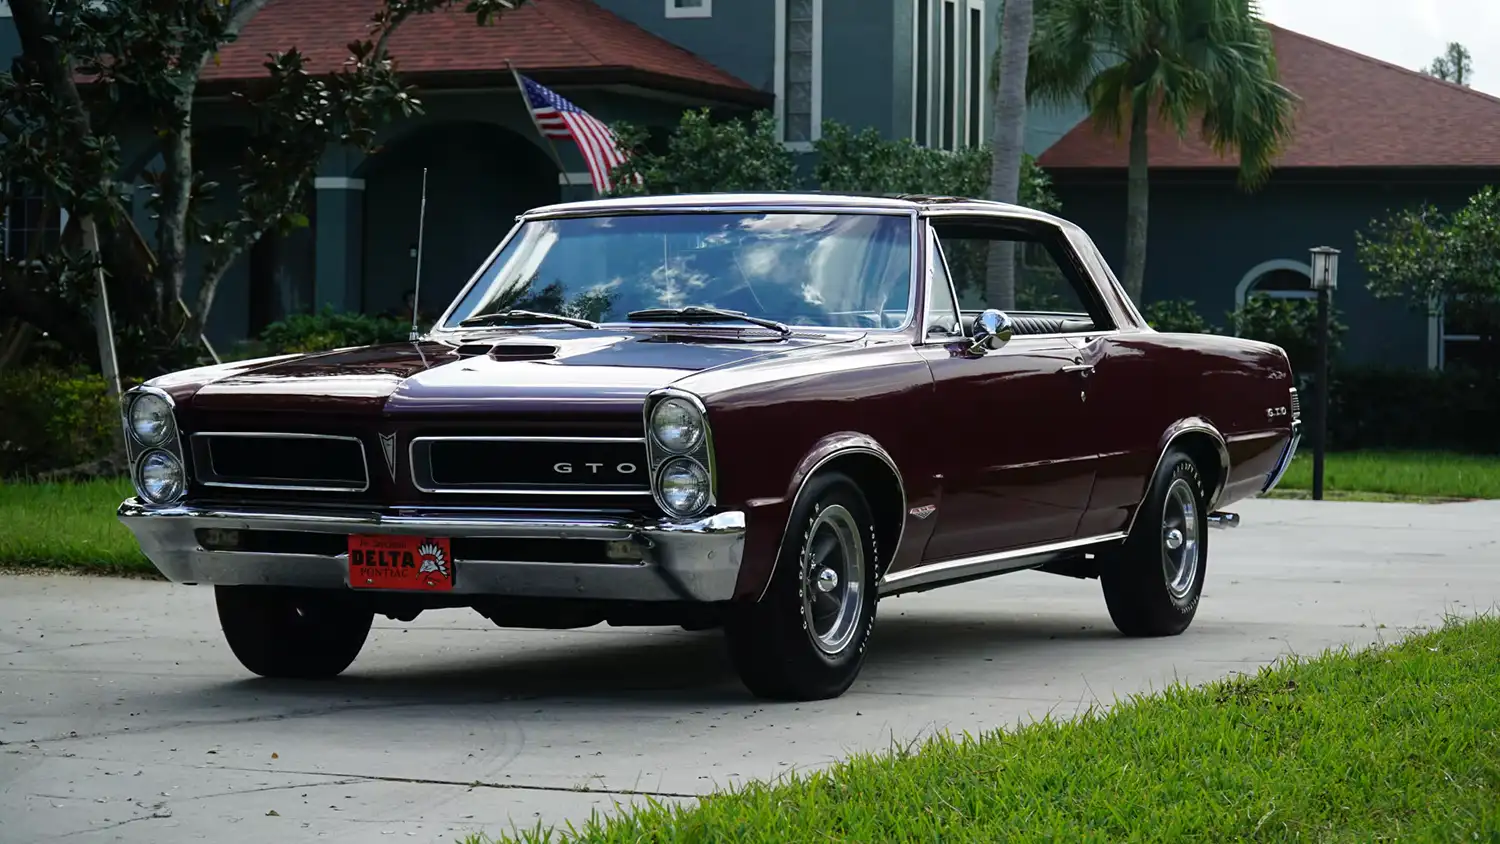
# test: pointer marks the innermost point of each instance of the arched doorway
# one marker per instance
(480, 176)
(1278, 279)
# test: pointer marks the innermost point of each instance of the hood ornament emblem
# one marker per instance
(388, 447)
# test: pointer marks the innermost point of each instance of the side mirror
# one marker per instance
(992, 329)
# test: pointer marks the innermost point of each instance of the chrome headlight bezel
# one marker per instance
(692, 420)
(138, 449)
(702, 482)
(146, 398)
(178, 483)
(700, 452)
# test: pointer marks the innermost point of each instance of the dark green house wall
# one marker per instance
(1205, 235)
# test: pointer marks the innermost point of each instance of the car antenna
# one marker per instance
(416, 293)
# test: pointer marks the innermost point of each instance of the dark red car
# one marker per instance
(760, 412)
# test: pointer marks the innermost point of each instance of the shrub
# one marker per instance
(329, 330)
(1291, 324)
(1412, 409)
(54, 419)
(1179, 316)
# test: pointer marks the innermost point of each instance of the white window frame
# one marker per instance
(675, 11)
(943, 68)
(918, 117)
(1246, 288)
(62, 213)
(816, 130)
(973, 117)
(1438, 338)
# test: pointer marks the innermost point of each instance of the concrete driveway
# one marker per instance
(123, 716)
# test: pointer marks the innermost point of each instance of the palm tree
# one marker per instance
(1009, 143)
(1209, 61)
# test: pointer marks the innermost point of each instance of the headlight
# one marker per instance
(677, 425)
(683, 486)
(150, 419)
(159, 477)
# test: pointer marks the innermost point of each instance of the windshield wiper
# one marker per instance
(698, 312)
(500, 317)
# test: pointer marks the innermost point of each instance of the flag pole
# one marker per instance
(562, 170)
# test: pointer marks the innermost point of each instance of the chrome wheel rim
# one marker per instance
(833, 579)
(1181, 551)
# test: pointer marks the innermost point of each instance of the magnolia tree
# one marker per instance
(93, 71)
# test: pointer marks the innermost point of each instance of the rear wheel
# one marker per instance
(304, 634)
(805, 640)
(1153, 584)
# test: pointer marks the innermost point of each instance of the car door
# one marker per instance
(1009, 426)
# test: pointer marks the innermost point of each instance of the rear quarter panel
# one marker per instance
(773, 421)
(1149, 385)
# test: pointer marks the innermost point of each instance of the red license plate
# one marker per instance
(400, 562)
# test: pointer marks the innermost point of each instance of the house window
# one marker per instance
(799, 70)
(1278, 279)
(949, 130)
(922, 73)
(974, 63)
(1457, 337)
(30, 227)
(690, 8)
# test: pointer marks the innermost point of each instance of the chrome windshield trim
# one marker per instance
(204, 473)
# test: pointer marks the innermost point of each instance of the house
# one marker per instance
(1370, 138)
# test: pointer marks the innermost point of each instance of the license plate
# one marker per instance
(400, 562)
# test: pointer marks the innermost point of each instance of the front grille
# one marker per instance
(1296, 405)
(531, 465)
(308, 462)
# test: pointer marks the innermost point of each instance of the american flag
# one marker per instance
(562, 120)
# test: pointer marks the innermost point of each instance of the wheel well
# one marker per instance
(1205, 453)
(882, 489)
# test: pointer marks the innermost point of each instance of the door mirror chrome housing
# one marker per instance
(992, 329)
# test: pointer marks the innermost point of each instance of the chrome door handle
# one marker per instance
(1081, 368)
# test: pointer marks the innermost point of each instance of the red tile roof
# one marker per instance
(575, 37)
(1356, 111)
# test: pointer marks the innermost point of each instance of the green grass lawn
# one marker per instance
(68, 525)
(1377, 475)
(1388, 743)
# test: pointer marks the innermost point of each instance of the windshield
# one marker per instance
(839, 270)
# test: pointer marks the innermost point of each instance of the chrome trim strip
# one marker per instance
(1173, 433)
(811, 473)
(364, 462)
(993, 563)
(1284, 462)
(411, 460)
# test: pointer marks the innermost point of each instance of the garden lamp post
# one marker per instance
(1325, 277)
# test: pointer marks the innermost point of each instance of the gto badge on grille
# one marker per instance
(388, 448)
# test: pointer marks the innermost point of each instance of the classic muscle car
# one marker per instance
(763, 413)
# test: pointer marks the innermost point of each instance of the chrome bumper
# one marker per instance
(695, 561)
(1285, 460)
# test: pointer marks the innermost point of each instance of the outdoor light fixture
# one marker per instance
(1325, 268)
(1325, 278)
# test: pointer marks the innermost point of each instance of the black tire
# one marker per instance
(304, 634)
(1146, 588)
(773, 643)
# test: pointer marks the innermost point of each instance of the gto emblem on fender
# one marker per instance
(388, 448)
(924, 511)
(593, 468)
(1274, 412)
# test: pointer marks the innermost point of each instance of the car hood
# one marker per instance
(541, 368)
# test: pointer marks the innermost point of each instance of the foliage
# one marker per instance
(865, 162)
(1177, 316)
(1291, 324)
(1442, 262)
(1455, 65)
(1391, 742)
(54, 419)
(1196, 65)
(69, 525)
(330, 329)
(705, 154)
(1414, 409)
(140, 65)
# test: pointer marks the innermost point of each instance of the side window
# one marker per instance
(942, 309)
(1049, 280)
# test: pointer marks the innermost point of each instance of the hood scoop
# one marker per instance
(508, 351)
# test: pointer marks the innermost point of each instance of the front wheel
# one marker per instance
(1152, 585)
(305, 634)
(805, 640)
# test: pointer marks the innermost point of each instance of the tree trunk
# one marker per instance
(171, 229)
(1008, 144)
(1136, 206)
